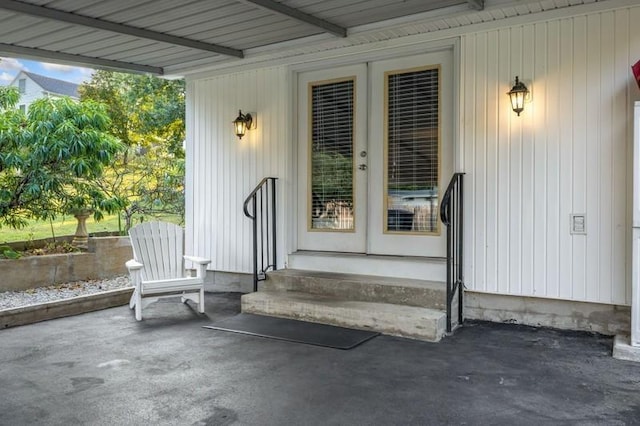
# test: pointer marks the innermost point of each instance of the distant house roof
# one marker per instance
(52, 85)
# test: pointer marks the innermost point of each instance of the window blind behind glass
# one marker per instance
(413, 150)
(332, 120)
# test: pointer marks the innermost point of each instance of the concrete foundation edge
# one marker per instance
(229, 281)
(623, 350)
(534, 311)
(540, 312)
(64, 308)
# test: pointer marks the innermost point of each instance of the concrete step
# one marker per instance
(364, 288)
(392, 319)
(370, 264)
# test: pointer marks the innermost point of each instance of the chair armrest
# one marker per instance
(132, 265)
(198, 260)
(200, 264)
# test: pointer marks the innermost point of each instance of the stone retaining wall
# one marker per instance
(64, 308)
(106, 258)
(36, 244)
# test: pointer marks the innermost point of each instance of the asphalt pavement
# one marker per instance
(105, 368)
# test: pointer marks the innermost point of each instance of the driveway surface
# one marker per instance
(104, 368)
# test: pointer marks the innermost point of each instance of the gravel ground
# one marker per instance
(15, 299)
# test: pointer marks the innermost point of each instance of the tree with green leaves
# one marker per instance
(148, 184)
(52, 158)
(144, 110)
(148, 116)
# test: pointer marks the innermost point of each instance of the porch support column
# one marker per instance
(635, 287)
(628, 347)
(635, 280)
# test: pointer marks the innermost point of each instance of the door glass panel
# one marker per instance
(412, 151)
(332, 122)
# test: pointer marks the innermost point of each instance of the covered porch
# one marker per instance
(549, 215)
(104, 368)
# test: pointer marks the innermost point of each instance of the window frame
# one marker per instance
(310, 111)
(385, 165)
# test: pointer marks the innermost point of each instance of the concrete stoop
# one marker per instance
(398, 307)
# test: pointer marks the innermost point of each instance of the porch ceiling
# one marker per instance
(178, 38)
(165, 36)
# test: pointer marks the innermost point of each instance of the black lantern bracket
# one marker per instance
(518, 94)
(244, 122)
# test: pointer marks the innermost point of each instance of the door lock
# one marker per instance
(363, 154)
(362, 167)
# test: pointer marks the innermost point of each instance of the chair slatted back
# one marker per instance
(159, 247)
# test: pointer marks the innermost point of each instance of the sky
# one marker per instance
(10, 67)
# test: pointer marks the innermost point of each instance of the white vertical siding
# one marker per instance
(568, 152)
(222, 171)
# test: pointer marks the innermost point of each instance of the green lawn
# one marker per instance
(67, 226)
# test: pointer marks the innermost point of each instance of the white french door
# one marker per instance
(411, 153)
(332, 182)
(375, 150)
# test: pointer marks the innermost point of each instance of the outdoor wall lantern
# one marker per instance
(517, 94)
(242, 124)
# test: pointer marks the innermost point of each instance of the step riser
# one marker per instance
(414, 325)
(384, 266)
(396, 306)
(434, 298)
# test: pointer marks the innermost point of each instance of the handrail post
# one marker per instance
(460, 249)
(452, 216)
(274, 223)
(266, 242)
(449, 272)
(255, 244)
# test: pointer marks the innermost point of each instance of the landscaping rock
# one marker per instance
(33, 296)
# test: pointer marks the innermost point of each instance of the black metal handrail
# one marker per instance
(260, 207)
(451, 215)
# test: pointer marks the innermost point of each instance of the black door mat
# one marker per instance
(294, 331)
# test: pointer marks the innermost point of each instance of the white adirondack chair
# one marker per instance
(157, 268)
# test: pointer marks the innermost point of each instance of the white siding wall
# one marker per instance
(32, 91)
(222, 171)
(568, 152)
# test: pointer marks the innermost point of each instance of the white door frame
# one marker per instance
(407, 243)
(352, 240)
(291, 213)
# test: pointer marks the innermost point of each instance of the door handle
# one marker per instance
(362, 167)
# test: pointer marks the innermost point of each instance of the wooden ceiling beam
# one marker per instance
(476, 4)
(274, 6)
(71, 59)
(73, 18)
